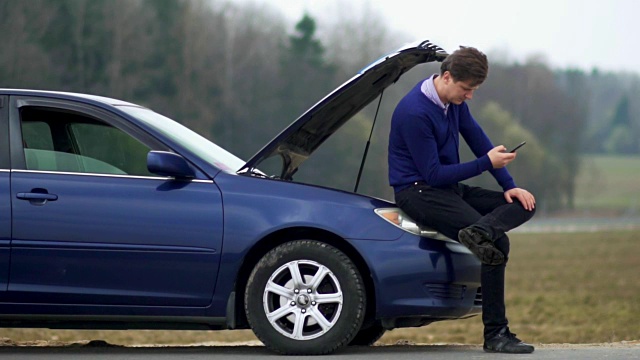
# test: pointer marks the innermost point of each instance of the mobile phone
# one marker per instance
(518, 147)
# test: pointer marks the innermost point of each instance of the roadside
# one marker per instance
(579, 223)
(241, 351)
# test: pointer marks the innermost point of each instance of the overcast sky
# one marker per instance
(568, 33)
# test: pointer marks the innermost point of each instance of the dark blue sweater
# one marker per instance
(424, 144)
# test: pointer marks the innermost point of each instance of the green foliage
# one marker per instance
(304, 46)
(622, 139)
(307, 76)
(503, 129)
(554, 108)
(622, 117)
(165, 56)
(613, 108)
(343, 151)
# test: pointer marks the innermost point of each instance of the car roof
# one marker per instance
(66, 96)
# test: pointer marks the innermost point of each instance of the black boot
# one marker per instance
(507, 342)
(481, 246)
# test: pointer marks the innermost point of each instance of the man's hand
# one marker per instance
(499, 157)
(525, 197)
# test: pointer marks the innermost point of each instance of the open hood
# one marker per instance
(296, 142)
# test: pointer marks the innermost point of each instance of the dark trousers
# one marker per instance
(448, 210)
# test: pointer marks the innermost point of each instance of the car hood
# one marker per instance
(300, 139)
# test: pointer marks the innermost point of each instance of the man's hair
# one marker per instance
(466, 64)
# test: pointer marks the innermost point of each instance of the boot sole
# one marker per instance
(521, 351)
(487, 254)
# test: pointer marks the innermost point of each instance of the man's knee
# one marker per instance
(525, 214)
(531, 213)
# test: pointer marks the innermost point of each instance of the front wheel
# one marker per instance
(305, 297)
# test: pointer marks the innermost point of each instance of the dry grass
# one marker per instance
(561, 288)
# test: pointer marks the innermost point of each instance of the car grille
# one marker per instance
(446, 291)
(478, 299)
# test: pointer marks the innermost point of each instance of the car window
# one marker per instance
(72, 142)
(39, 135)
(205, 149)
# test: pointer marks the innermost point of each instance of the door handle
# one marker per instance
(37, 196)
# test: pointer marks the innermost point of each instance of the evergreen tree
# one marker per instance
(621, 138)
(307, 76)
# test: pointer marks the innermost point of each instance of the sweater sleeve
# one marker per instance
(422, 145)
(480, 144)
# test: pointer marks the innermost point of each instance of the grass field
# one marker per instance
(609, 183)
(561, 288)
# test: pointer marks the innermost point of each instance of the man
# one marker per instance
(426, 174)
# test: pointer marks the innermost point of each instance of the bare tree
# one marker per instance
(23, 63)
(249, 71)
(125, 23)
(355, 36)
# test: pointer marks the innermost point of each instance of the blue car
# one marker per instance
(113, 216)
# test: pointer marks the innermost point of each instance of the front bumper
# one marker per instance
(420, 280)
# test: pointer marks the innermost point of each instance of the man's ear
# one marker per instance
(446, 77)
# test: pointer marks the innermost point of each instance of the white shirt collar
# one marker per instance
(428, 88)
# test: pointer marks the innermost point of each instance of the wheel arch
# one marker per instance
(300, 233)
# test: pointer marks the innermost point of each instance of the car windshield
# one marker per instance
(188, 138)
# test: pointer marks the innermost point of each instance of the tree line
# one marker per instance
(238, 74)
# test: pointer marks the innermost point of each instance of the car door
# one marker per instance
(91, 225)
(5, 197)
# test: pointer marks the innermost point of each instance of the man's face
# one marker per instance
(458, 91)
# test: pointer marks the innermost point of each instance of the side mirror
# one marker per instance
(166, 163)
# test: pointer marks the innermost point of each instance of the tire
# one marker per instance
(368, 336)
(326, 311)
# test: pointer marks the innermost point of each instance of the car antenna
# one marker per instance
(366, 148)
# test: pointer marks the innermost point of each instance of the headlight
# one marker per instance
(398, 218)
